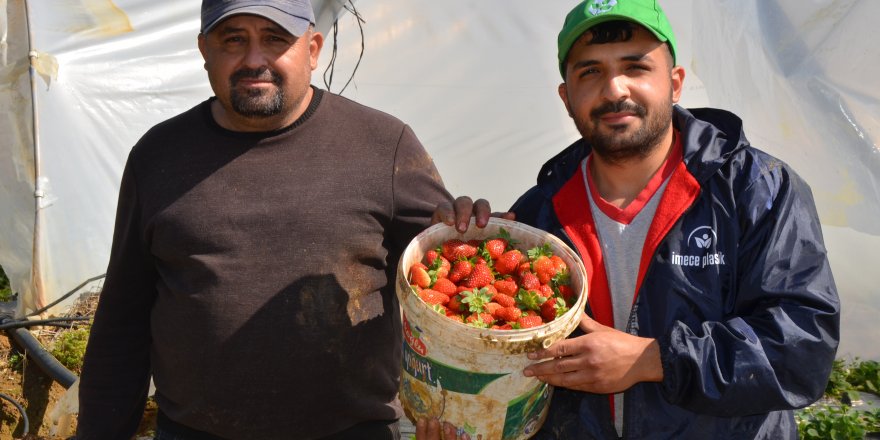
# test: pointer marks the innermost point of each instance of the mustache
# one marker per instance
(618, 107)
(261, 74)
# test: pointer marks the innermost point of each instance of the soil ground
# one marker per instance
(22, 381)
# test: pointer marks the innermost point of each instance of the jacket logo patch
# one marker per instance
(701, 249)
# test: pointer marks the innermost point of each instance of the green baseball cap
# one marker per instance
(589, 13)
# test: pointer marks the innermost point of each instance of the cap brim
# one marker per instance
(296, 26)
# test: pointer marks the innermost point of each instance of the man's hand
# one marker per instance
(459, 213)
(431, 430)
(603, 361)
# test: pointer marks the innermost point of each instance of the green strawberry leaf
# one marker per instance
(476, 299)
(560, 307)
(562, 277)
(478, 323)
(529, 300)
(537, 251)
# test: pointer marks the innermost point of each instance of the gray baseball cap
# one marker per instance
(294, 16)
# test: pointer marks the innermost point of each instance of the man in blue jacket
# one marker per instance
(712, 309)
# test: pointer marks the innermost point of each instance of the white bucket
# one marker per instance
(472, 377)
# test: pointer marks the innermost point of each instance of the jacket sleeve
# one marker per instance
(775, 349)
(417, 189)
(116, 367)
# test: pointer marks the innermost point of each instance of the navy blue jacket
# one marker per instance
(734, 284)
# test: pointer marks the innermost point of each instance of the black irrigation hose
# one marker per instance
(41, 357)
(6, 324)
(24, 417)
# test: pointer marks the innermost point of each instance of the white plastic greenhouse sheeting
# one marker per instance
(475, 79)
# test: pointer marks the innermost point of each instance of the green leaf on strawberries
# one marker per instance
(538, 251)
(529, 300)
(476, 299)
(439, 309)
(502, 233)
(563, 277)
(560, 307)
(478, 323)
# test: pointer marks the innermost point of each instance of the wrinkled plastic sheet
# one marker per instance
(477, 82)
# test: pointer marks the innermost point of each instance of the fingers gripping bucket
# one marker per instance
(472, 377)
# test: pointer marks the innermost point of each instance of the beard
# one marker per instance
(257, 103)
(618, 146)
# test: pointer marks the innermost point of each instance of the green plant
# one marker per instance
(865, 376)
(834, 418)
(70, 347)
(836, 422)
(15, 361)
(5, 292)
(839, 386)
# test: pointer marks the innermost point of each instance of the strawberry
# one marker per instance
(460, 270)
(544, 269)
(542, 265)
(455, 249)
(504, 300)
(544, 290)
(559, 263)
(494, 244)
(508, 261)
(491, 290)
(529, 321)
(566, 292)
(458, 317)
(529, 281)
(462, 289)
(505, 326)
(431, 256)
(454, 304)
(508, 314)
(443, 285)
(548, 310)
(432, 297)
(483, 320)
(492, 307)
(418, 275)
(474, 242)
(481, 276)
(495, 247)
(443, 269)
(506, 286)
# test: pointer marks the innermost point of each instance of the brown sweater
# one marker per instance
(253, 275)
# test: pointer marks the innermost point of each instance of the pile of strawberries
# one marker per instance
(490, 284)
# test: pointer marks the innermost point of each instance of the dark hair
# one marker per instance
(611, 32)
(614, 31)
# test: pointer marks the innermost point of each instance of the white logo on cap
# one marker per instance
(601, 6)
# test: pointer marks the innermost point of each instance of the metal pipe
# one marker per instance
(39, 191)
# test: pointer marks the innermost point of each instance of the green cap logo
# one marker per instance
(589, 13)
(600, 7)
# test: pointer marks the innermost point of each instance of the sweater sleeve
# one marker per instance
(417, 188)
(116, 367)
(775, 349)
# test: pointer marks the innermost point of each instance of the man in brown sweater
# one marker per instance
(256, 243)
